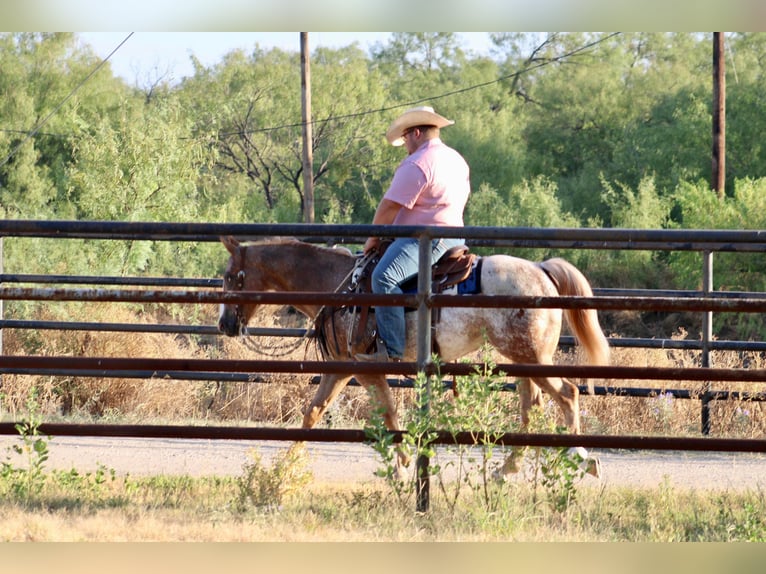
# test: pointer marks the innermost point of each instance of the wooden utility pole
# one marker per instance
(308, 153)
(719, 116)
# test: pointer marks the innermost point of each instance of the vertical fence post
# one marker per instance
(2, 306)
(424, 358)
(707, 335)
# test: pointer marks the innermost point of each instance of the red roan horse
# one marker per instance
(521, 335)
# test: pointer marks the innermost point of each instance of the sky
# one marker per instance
(144, 54)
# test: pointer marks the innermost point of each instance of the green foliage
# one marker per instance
(267, 488)
(529, 204)
(26, 482)
(698, 208)
(479, 406)
(642, 208)
(558, 470)
(751, 527)
(476, 406)
(417, 441)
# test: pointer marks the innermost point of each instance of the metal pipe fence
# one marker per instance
(207, 291)
(704, 241)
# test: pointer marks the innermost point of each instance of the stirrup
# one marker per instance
(380, 355)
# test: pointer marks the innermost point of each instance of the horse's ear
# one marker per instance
(230, 243)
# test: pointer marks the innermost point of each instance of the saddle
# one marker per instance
(454, 268)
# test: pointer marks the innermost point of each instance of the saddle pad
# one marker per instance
(470, 286)
(472, 283)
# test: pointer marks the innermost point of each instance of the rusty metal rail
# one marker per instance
(710, 303)
(109, 364)
(359, 436)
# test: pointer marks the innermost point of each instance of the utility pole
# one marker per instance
(719, 116)
(308, 153)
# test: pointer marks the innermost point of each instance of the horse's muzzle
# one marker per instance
(229, 323)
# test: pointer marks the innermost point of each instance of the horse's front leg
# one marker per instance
(330, 386)
(529, 396)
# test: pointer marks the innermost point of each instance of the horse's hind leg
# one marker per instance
(567, 396)
(380, 394)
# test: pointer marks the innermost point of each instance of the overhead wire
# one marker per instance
(53, 112)
(537, 66)
(472, 87)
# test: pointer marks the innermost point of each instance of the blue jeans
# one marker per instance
(399, 263)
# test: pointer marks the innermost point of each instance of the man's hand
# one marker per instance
(371, 244)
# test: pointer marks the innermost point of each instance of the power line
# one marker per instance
(39, 126)
(518, 73)
(510, 76)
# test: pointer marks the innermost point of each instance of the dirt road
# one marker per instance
(344, 462)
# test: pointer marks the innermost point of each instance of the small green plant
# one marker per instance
(26, 482)
(90, 487)
(267, 488)
(558, 469)
(561, 469)
(417, 440)
(479, 406)
(752, 526)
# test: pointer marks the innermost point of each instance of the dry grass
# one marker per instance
(281, 398)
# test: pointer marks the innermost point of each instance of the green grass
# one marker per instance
(166, 508)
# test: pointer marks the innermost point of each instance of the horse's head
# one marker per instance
(281, 265)
(233, 318)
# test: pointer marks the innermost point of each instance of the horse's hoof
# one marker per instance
(589, 464)
(593, 466)
(401, 473)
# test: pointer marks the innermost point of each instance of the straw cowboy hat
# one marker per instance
(422, 116)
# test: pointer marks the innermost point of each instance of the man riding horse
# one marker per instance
(430, 187)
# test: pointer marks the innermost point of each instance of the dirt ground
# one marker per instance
(347, 462)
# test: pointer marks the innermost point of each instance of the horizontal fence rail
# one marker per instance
(603, 303)
(356, 436)
(107, 364)
(574, 238)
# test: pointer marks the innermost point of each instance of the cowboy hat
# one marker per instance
(422, 116)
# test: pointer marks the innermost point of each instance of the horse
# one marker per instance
(521, 335)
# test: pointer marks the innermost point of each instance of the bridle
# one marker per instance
(236, 282)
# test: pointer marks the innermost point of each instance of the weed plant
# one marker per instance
(473, 407)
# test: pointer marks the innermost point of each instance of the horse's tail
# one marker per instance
(583, 322)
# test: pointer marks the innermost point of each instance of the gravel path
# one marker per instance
(348, 462)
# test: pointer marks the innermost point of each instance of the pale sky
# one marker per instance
(146, 53)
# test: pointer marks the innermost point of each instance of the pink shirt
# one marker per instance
(432, 185)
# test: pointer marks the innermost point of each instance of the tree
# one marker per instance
(250, 107)
(44, 103)
(421, 52)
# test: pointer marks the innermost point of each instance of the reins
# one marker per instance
(273, 350)
(276, 350)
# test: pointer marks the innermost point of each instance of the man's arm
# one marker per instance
(385, 214)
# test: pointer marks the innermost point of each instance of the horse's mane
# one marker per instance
(284, 240)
